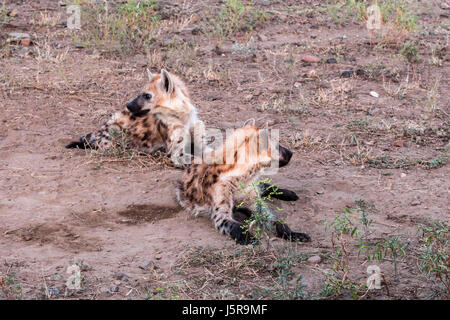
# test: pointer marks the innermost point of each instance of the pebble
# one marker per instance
(25, 42)
(320, 191)
(120, 276)
(115, 289)
(53, 291)
(248, 97)
(18, 35)
(149, 264)
(312, 74)
(310, 58)
(403, 175)
(331, 60)
(374, 94)
(12, 13)
(315, 260)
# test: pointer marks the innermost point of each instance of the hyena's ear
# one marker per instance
(150, 75)
(166, 81)
(249, 122)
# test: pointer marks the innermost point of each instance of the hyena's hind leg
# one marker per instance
(284, 232)
(222, 217)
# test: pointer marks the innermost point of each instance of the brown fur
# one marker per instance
(210, 188)
(159, 118)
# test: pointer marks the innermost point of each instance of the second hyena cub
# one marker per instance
(211, 187)
(159, 118)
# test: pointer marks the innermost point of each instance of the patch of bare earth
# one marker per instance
(117, 219)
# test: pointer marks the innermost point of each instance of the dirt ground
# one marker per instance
(117, 218)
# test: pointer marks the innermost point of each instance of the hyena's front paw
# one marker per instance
(277, 193)
(86, 142)
(240, 234)
(77, 144)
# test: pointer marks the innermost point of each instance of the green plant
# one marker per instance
(434, 259)
(392, 247)
(3, 13)
(260, 221)
(11, 287)
(235, 16)
(410, 52)
(129, 27)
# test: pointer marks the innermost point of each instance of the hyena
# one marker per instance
(210, 188)
(158, 119)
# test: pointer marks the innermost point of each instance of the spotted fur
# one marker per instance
(159, 118)
(210, 188)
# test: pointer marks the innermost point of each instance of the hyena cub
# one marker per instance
(158, 119)
(211, 188)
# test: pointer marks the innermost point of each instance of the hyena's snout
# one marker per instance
(285, 156)
(135, 105)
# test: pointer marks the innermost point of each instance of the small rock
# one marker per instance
(416, 203)
(374, 94)
(25, 42)
(212, 97)
(120, 276)
(12, 13)
(78, 46)
(313, 27)
(347, 73)
(315, 260)
(312, 74)
(444, 6)
(248, 97)
(53, 291)
(403, 175)
(57, 277)
(262, 37)
(320, 191)
(195, 30)
(18, 35)
(331, 60)
(398, 143)
(149, 264)
(115, 289)
(105, 290)
(310, 58)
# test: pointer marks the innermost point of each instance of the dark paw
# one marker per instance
(281, 194)
(301, 237)
(285, 195)
(76, 145)
(241, 214)
(284, 232)
(240, 234)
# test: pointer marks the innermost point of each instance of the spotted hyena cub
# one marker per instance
(158, 119)
(211, 187)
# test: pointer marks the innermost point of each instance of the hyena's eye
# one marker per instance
(147, 96)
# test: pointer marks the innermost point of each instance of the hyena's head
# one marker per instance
(251, 147)
(162, 90)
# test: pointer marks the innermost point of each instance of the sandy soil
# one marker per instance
(60, 206)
